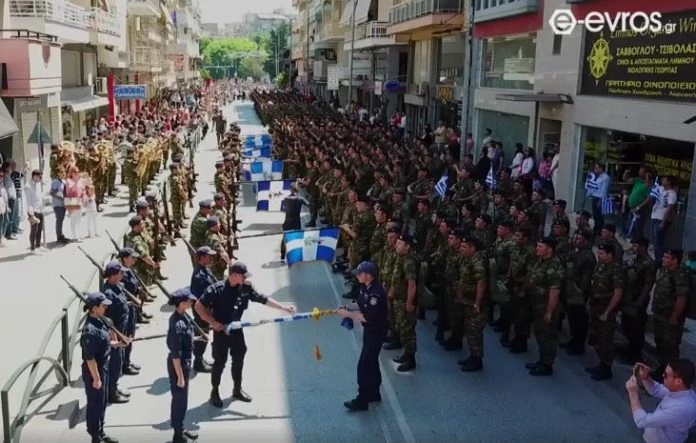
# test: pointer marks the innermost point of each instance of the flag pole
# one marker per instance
(268, 234)
(42, 164)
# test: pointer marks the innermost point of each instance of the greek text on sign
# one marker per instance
(130, 92)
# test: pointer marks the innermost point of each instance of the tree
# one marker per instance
(276, 44)
(223, 57)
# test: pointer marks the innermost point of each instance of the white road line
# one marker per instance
(393, 401)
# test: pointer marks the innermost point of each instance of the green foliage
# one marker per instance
(282, 80)
(276, 43)
(222, 57)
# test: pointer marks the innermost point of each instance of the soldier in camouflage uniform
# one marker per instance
(220, 211)
(424, 226)
(471, 300)
(199, 227)
(361, 234)
(640, 279)
(522, 257)
(386, 268)
(448, 289)
(176, 197)
(545, 280)
(146, 265)
(606, 291)
(670, 299)
(403, 292)
(608, 236)
(129, 174)
(220, 179)
(399, 209)
(500, 269)
(379, 235)
(561, 232)
(501, 210)
(437, 260)
(447, 209)
(313, 194)
(214, 241)
(580, 266)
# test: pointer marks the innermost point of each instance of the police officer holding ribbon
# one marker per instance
(118, 313)
(372, 312)
(180, 344)
(222, 303)
(200, 280)
(96, 343)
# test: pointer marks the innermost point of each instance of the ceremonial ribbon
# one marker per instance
(316, 314)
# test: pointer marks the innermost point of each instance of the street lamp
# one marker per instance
(352, 49)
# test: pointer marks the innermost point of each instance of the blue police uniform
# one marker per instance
(372, 302)
(131, 284)
(227, 304)
(96, 345)
(117, 312)
(180, 344)
(201, 279)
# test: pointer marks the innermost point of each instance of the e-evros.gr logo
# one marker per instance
(563, 22)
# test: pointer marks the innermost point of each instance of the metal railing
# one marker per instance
(53, 10)
(27, 34)
(369, 30)
(146, 57)
(414, 9)
(107, 22)
(154, 3)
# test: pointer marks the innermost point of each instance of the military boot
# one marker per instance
(179, 437)
(408, 363)
(215, 399)
(472, 364)
(519, 345)
(392, 345)
(541, 370)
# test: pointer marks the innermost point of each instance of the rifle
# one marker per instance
(132, 297)
(231, 243)
(168, 220)
(204, 336)
(192, 173)
(157, 249)
(125, 340)
(158, 234)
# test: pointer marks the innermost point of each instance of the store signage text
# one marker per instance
(649, 66)
(130, 92)
(563, 22)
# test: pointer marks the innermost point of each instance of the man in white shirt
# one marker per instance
(35, 204)
(598, 195)
(662, 212)
(676, 413)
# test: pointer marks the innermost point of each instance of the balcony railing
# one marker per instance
(154, 3)
(52, 10)
(414, 9)
(368, 30)
(107, 22)
(146, 57)
(495, 9)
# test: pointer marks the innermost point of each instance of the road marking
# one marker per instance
(393, 401)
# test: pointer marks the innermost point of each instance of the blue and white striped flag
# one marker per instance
(271, 194)
(304, 246)
(491, 180)
(608, 205)
(656, 190)
(591, 184)
(257, 141)
(441, 186)
(264, 169)
(264, 152)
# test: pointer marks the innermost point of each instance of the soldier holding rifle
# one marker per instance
(201, 279)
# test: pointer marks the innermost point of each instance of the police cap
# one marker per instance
(127, 252)
(95, 299)
(113, 268)
(205, 250)
(180, 296)
(366, 267)
(239, 268)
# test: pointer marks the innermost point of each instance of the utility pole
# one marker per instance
(291, 55)
(352, 50)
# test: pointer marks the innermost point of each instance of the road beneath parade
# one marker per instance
(295, 397)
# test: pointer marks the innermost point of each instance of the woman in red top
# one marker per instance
(74, 189)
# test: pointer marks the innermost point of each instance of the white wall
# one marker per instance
(70, 61)
(90, 68)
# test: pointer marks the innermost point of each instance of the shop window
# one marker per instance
(508, 129)
(452, 55)
(509, 63)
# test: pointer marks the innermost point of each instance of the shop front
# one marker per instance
(508, 129)
(450, 80)
(449, 105)
(79, 109)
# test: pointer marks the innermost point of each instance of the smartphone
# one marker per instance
(636, 372)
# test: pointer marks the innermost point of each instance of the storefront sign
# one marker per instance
(394, 86)
(653, 66)
(678, 164)
(28, 104)
(130, 92)
(444, 93)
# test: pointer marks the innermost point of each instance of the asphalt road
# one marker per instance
(297, 398)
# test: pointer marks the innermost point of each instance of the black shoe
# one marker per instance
(591, 369)
(356, 405)
(201, 366)
(240, 395)
(190, 434)
(179, 437)
(603, 372)
(144, 321)
(532, 365)
(134, 366)
(130, 371)
(541, 370)
(505, 341)
(146, 316)
(215, 399)
(376, 399)
(408, 365)
(123, 392)
(475, 364)
(399, 359)
(118, 399)
(106, 439)
(518, 347)
(392, 345)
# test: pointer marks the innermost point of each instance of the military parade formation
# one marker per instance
(476, 252)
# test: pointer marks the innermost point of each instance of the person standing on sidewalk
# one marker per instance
(4, 206)
(11, 193)
(598, 194)
(58, 202)
(35, 204)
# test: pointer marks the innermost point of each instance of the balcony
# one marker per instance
(108, 28)
(486, 10)
(189, 49)
(146, 60)
(372, 35)
(112, 58)
(33, 64)
(435, 15)
(62, 19)
(147, 8)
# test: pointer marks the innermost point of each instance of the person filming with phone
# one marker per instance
(676, 413)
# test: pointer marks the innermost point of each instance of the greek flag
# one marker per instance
(441, 186)
(491, 180)
(271, 194)
(257, 141)
(591, 184)
(656, 190)
(608, 205)
(264, 152)
(304, 246)
(264, 169)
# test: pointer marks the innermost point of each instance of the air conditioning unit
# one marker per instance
(101, 86)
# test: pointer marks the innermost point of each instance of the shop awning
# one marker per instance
(85, 103)
(538, 98)
(362, 9)
(8, 127)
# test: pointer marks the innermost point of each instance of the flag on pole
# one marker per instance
(264, 152)
(264, 169)
(271, 194)
(257, 141)
(491, 180)
(656, 190)
(608, 205)
(441, 186)
(304, 246)
(591, 184)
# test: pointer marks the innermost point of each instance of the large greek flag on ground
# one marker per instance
(303, 246)
(271, 194)
(257, 141)
(264, 152)
(264, 169)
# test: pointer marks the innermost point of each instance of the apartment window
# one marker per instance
(421, 61)
(557, 43)
(508, 62)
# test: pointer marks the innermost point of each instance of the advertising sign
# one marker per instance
(130, 92)
(648, 65)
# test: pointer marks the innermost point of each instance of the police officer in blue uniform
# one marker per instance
(222, 303)
(117, 312)
(200, 280)
(371, 312)
(292, 205)
(180, 344)
(96, 343)
(127, 257)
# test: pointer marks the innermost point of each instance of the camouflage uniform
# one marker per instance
(472, 271)
(521, 259)
(670, 284)
(640, 278)
(224, 217)
(498, 285)
(129, 172)
(360, 248)
(400, 215)
(405, 268)
(386, 269)
(543, 276)
(424, 225)
(580, 266)
(606, 278)
(177, 199)
(199, 228)
(215, 242)
(377, 242)
(140, 244)
(453, 261)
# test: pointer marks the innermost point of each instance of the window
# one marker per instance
(557, 43)
(509, 62)
(421, 61)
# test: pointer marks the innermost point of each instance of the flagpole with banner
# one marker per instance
(40, 137)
